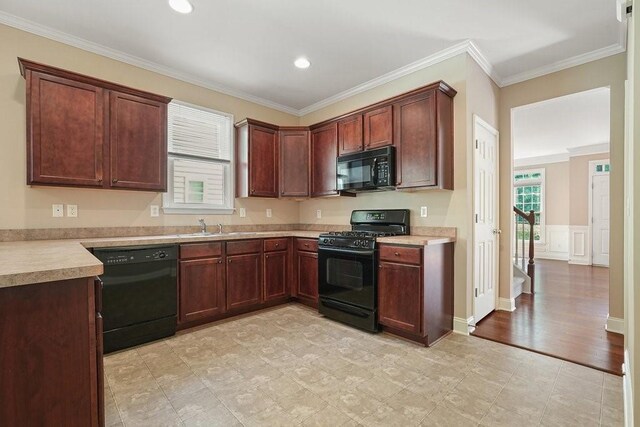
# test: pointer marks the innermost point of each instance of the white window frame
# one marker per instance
(170, 207)
(543, 195)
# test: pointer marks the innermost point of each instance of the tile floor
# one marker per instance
(290, 366)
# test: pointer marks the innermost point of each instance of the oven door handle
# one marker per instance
(346, 251)
(374, 171)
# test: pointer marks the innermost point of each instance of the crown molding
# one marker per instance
(583, 150)
(423, 63)
(586, 150)
(475, 53)
(80, 43)
(574, 61)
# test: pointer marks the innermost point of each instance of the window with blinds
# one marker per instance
(200, 160)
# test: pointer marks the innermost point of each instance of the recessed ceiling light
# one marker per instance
(181, 6)
(302, 63)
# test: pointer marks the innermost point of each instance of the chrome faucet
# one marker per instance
(219, 228)
(203, 226)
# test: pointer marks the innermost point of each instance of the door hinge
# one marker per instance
(476, 292)
(476, 144)
(476, 218)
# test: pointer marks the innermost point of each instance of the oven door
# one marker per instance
(348, 276)
(355, 174)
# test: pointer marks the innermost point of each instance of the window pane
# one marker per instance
(606, 168)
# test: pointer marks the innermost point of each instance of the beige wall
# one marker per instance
(611, 72)
(25, 207)
(556, 197)
(579, 187)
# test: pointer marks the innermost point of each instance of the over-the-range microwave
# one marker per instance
(367, 171)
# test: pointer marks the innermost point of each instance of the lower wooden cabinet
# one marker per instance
(306, 268)
(275, 277)
(50, 357)
(399, 302)
(415, 291)
(244, 280)
(202, 288)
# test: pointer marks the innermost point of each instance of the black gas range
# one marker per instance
(347, 266)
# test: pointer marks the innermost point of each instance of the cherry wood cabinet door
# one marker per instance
(324, 152)
(202, 288)
(350, 135)
(294, 163)
(378, 128)
(65, 131)
(244, 283)
(400, 296)
(307, 275)
(416, 141)
(263, 162)
(276, 280)
(138, 142)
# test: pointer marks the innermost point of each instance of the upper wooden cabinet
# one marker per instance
(378, 127)
(87, 132)
(423, 136)
(257, 159)
(350, 135)
(294, 162)
(324, 152)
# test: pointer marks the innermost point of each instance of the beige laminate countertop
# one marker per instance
(40, 261)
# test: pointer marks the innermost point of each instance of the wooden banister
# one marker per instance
(530, 218)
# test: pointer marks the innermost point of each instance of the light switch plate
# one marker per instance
(269, 213)
(58, 211)
(154, 210)
(319, 213)
(72, 211)
(423, 211)
(243, 212)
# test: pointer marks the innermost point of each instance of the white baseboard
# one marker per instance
(463, 326)
(507, 304)
(627, 391)
(614, 324)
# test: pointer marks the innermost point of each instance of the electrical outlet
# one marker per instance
(58, 211)
(243, 212)
(154, 210)
(269, 213)
(72, 211)
(319, 213)
(423, 211)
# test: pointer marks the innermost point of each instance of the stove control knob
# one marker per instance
(325, 240)
(331, 241)
(356, 243)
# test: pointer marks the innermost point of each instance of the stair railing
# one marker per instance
(522, 221)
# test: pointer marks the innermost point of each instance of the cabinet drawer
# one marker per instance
(201, 250)
(244, 247)
(401, 254)
(271, 245)
(310, 245)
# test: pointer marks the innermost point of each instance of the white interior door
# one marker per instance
(485, 187)
(600, 217)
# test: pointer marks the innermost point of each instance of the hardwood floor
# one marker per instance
(565, 318)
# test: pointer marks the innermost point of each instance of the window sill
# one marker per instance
(203, 211)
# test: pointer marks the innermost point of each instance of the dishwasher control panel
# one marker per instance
(136, 255)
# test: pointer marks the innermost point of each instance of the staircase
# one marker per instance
(524, 267)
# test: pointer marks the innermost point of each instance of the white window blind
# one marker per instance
(200, 160)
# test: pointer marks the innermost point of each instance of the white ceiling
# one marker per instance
(247, 47)
(558, 125)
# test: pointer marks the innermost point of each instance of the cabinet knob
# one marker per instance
(114, 180)
(396, 254)
(229, 261)
(219, 261)
(277, 244)
(266, 256)
(100, 181)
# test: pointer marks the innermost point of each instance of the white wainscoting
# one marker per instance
(579, 245)
(556, 243)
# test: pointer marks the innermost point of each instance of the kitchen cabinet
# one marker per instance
(86, 132)
(277, 267)
(415, 291)
(51, 363)
(350, 135)
(257, 159)
(244, 274)
(294, 162)
(202, 281)
(324, 152)
(306, 271)
(423, 128)
(378, 127)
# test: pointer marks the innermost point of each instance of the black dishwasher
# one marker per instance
(139, 296)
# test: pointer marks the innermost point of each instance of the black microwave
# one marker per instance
(367, 171)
